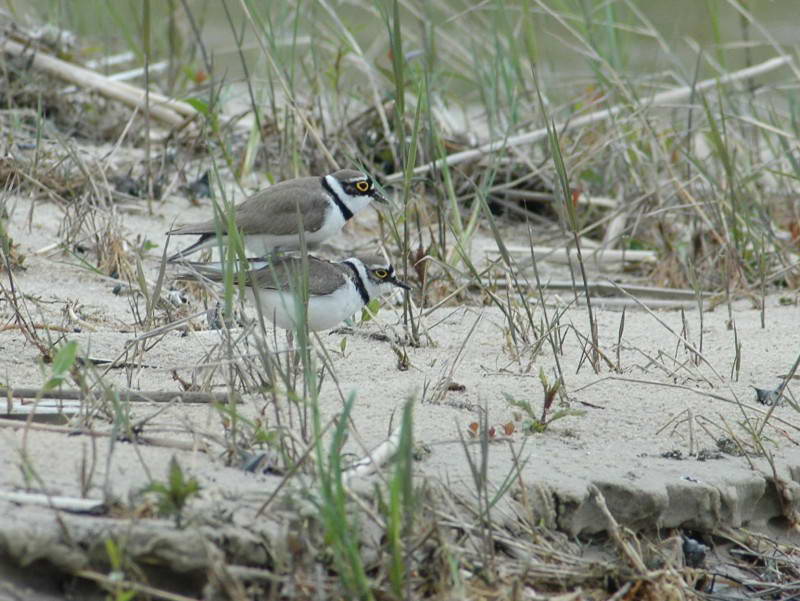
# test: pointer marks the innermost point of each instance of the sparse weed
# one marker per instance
(485, 144)
(174, 493)
(535, 422)
(118, 564)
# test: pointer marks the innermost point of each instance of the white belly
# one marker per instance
(263, 244)
(324, 312)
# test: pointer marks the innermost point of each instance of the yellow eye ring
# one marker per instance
(362, 186)
(381, 273)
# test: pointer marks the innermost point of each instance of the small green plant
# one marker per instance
(341, 530)
(63, 361)
(10, 249)
(401, 504)
(537, 425)
(245, 433)
(343, 347)
(370, 310)
(147, 246)
(116, 557)
(173, 495)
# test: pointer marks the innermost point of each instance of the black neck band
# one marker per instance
(346, 213)
(362, 291)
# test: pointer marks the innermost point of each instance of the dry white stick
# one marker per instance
(182, 108)
(600, 256)
(45, 408)
(371, 463)
(46, 249)
(596, 201)
(604, 288)
(667, 97)
(72, 504)
(110, 61)
(616, 303)
(138, 72)
(162, 108)
(121, 76)
(615, 230)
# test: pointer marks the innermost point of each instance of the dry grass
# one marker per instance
(706, 184)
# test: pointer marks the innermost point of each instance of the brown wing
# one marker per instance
(284, 214)
(281, 199)
(323, 276)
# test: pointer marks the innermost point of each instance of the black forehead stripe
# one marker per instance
(346, 213)
(362, 291)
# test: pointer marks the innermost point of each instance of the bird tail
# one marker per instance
(215, 271)
(204, 241)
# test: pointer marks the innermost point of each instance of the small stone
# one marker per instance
(694, 552)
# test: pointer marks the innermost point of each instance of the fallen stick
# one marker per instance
(655, 292)
(617, 303)
(604, 288)
(113, 583)
(601, 256)
(121, 76)
(374, 460)
(37, 326)
(582, 199)
(131, 396)
(46, 411)
(165, 328)
(667, 97)
(104, 62)
(171, 112)
(71, 504)
(180, 445)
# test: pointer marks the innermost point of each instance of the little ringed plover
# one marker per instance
(335, 290)
(269, 219)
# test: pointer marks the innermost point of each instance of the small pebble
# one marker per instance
(766, 396)
(694, 552)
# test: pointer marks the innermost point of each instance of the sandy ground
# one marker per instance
(647, 434)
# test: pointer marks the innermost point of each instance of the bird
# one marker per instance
(335, 290)
(270, 219)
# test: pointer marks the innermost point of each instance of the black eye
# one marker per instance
(380, 273)
(362, 186)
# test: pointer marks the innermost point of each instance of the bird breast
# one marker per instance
(324, 311)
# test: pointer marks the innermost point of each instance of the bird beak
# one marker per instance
(399, 284)
(379, 197)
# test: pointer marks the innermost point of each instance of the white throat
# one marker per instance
(374, 289)
(354, 203)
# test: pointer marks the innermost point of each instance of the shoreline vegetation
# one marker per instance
(588, 393)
